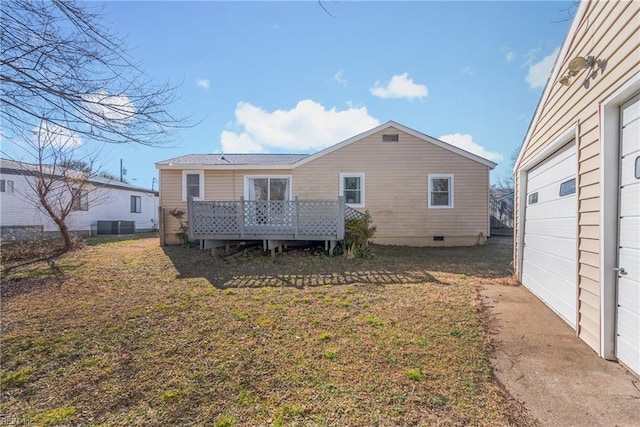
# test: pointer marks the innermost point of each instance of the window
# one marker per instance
(352, 189)
(80, 200)
(136, 204)
(392, 137)
(6, 186)
(533, 198)
(440, 191)
(192, 184)
(267, 188)
(568, 187)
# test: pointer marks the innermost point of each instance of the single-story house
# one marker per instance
(419, 190)
(107, 207)
(577, 236)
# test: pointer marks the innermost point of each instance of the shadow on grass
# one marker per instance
(309, 267)
(29, 279)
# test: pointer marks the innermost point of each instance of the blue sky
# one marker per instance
(287, 77)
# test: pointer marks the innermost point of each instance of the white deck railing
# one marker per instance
(266, 220)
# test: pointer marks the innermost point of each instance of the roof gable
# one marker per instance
(292, 161)
(412, 132)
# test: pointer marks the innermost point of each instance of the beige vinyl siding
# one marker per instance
(396, 183)
(608, 31)
(218, 185)
(170, 198)
(396, 188)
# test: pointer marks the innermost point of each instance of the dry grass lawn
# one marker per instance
(125, 332)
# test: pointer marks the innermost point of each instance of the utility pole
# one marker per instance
(123, 172)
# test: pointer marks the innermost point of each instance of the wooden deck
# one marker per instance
(266, 220)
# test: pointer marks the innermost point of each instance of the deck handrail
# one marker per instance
(264, 219)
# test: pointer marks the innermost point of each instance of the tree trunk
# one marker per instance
(66, 235)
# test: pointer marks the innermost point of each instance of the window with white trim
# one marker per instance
(136, 204)
(192, 184)
(6, 186)
(277, 187)
(440, 191)
(352, 189)
(80, 200)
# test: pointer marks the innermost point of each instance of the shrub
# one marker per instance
(357, 233)
(37, 248)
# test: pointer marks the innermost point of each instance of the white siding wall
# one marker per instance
(109, 204)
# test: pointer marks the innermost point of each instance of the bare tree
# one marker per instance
(506, 182)
(59, 65)
(61, 182)
(67, 82)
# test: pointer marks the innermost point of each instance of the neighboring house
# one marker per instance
(501, 210)
(108, 206)
(419, 190)
(577, 238)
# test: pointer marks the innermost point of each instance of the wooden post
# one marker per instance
(341, 208)
(295, 218)
(190, 217)
(241, 219)
(161, 225)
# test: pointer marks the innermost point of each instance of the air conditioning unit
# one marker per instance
(106, 228)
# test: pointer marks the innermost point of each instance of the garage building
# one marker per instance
(577, 226)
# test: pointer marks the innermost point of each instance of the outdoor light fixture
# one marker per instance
(565, 80)
(576, 65)
(580, 62)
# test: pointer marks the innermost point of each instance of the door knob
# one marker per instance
(620, 270)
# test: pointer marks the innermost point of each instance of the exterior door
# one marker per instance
(628, 289)
(268, 188)
(268, 201)
(549, 254)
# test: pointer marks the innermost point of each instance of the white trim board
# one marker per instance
(609, 176)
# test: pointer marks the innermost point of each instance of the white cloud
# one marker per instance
(510, 56)
(203, 83)
(465, 141)
(539, 71)
(400, 86)
(305, 128)
(113, 108)
(48, 135)
(467, 71)
(339, 78)
(239, 143)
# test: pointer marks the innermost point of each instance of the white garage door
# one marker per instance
(549, 254)
(628, 313)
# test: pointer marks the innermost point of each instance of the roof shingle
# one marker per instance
(236, 159)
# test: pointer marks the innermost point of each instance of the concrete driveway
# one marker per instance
(543, 364)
